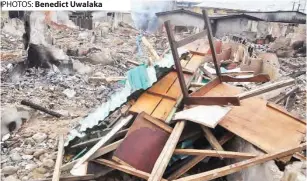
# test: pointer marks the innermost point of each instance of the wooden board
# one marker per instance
(263, 126)
(146, 102)
(158, 106)
(163, 85)
(142, 144)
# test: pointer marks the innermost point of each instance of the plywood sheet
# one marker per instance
(163, 85)
(163, 109)
(142, 144)
(267, 128)
(146, 102)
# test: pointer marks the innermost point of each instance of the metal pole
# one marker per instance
(211, 42)
(173, 46)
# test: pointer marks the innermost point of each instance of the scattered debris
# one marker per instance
(126, 106)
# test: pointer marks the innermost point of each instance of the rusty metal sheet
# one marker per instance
(142, 145)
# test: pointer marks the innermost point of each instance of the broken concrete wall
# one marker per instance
(231, 26)
(182, 19)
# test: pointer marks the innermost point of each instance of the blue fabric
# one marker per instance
(138, 78)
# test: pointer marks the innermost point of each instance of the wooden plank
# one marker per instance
(300, 156)
(285, 95)
(150, 48)
(266, 88)
(196, 159)
(103, 141)
(197, 100)
(167, 152)
(211, 139)
(146, 102)
(194, 63)
(190, 39)
(210, 85)
(159, 123)
(143, 138)
(101, 151)
(161, 95)
(164, 109)
(259, 124)
(214, 153)
(124, 168)
(174, 47)
(58, 163)
(220, 172)
(284, 111)
(256, 78)
(163, 85)
(211, 43)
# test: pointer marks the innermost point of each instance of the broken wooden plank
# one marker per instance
(283, 97)
(190, 39)
(266, 88)
(95, 140)
(300, 156)
(220, 172)
(124, 168)
(150, 48)
(40, 108)
(256, 78)
(211, 138)
(159, 123)
(197, 159)
(58, 163)
(197, 100)
(103, 141)
(167, 152)
(215, 153)
(195, 84)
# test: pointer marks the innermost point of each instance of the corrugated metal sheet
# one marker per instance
(117, 99)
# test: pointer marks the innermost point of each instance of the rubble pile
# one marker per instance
(222, 113)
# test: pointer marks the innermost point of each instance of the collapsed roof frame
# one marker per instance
(197, 100)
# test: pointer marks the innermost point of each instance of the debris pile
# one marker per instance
(192, 108)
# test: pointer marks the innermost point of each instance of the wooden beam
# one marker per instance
(197, 159)
(158, 123)
(167, 152)
(190, 39)
(214, 153)
(124, 168)
(256, 78)
(300, 156)
(58, 163)
(211, 139)
(220, 172)
(286, 95)
(266, 88)
(103, 140)
(195, 84)
(150, 48)
(197, 100)
(211, 43)
(95, 140)
(178, 66)
(101, 151)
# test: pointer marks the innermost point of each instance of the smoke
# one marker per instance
(144, 13)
